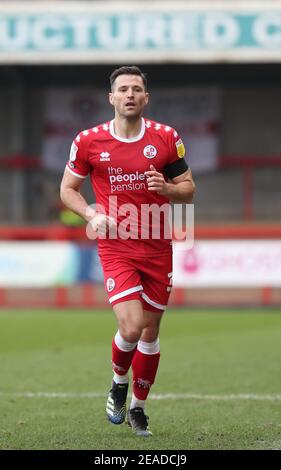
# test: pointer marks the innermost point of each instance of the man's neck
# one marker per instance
(127, 128)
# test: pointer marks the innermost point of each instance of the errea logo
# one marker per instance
(104, 157)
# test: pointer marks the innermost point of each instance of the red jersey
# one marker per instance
(117, 169)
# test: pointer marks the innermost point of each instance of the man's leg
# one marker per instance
(137, 327)
(146, 359)
(130, 317)
(144, 366)
(156, 283)
(142, 327)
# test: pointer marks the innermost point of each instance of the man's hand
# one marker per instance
(156, 181)
(100, 225)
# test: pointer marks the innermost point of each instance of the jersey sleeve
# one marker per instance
(176, 163)
(78, 163)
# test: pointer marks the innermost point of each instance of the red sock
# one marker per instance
(121, 360)
(144, 371)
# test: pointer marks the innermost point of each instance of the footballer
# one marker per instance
(132, 161)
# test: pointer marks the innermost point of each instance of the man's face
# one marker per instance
(128, 96)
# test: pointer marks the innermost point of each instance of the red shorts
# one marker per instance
(146, 279)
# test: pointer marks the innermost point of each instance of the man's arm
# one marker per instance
(72, 198)
(181, 189)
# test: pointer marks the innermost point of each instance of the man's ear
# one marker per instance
(110, 97)
(147, 98)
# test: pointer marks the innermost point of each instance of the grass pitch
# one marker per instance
(222, 371)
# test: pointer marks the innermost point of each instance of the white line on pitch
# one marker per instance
(167, 396)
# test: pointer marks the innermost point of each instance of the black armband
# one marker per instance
(176, 168)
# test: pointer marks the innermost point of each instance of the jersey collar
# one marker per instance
(133, 139)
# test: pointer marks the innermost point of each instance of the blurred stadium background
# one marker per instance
(214, 72)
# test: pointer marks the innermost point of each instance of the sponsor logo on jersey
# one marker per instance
(110, 284)
(180, 148)
(150, 151)
(120, 181)
(104, 157)
(71, 165)
(73, 152)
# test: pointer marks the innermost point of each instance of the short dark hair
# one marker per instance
(128, 70)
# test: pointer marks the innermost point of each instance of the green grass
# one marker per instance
(206, 353)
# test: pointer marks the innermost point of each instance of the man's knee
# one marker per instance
(130, 318)
(130, 332)
(150, 333)
(152, 326)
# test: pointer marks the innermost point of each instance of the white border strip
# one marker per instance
(133, 6)
(151, 302)
(132, 139)
(75, 174)
(166, 396)
(124, 293)
(157, 56)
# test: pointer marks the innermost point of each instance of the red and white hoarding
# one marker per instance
(228, 263)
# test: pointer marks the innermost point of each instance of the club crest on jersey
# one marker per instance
(110, 284)
(180, 148)
(150, 151)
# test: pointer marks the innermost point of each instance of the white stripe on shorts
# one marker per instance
(151, 302)
(124, 293)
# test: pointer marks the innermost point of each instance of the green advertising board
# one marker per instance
(113, 32)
